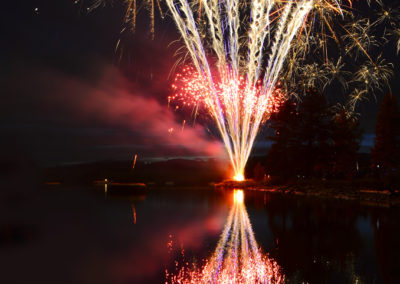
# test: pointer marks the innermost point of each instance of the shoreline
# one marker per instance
(364, 195)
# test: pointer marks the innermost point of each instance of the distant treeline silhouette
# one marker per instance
(312, 139)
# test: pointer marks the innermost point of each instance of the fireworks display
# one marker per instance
(237, 257)
(240, 92)
(249, 56)
(344, 51)
(246, 57)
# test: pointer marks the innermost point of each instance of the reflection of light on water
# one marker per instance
(105, 189)
(238, 196)
(237, 257)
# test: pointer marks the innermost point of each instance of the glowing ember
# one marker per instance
(237, 257)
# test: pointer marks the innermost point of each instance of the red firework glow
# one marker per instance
(191, 90)
(237, 107)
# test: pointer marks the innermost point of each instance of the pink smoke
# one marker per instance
(114, 102)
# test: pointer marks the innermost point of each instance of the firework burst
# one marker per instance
(373, 74)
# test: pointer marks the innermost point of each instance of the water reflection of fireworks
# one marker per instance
(237, 257)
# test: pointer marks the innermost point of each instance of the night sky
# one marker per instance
(67, 98)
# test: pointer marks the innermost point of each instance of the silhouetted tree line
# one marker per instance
(314, 139)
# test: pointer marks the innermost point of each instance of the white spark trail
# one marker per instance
(237, 113)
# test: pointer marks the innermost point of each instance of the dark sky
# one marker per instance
(67, 98)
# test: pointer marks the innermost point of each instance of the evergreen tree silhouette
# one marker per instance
(311, 140)
(346, 136)
(282, 157)
(385, 155)
(302, 138)
(315, 132)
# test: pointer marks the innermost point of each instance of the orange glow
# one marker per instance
(238, 177)
(134, 213)
(238, 196)
(134, 161)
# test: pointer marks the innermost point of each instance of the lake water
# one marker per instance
(86, 235)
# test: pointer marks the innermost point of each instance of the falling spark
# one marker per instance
(134, 161)
(237, 257)
(183, 125)
(397, 33)
(134, 213)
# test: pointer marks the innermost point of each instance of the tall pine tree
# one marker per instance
(302, 138)
(346, 136)
(313, 141)
(386, 152)
(315, 134)
(282, 157)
